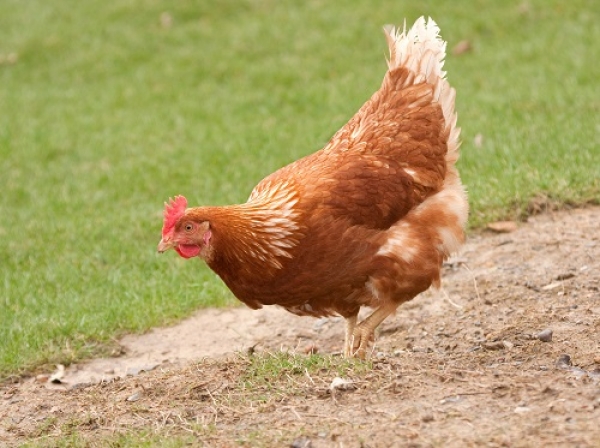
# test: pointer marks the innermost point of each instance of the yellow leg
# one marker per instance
(349, 336)
(365, 331)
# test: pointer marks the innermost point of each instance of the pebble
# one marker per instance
(545, 335)
(134, 397)
(564, 361)
(301, 442)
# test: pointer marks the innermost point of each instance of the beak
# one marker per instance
(164, 245)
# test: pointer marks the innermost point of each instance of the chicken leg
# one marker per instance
(349, 336)
(365, 331)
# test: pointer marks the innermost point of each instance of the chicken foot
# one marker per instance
(364, 332)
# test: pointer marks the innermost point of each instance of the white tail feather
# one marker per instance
(407, 48)
(422, 51)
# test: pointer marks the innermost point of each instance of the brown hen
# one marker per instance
(366, 221)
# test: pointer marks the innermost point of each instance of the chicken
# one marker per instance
(365, 222)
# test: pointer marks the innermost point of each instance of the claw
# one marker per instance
(359, 336)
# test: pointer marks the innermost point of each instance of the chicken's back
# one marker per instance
(399, 149)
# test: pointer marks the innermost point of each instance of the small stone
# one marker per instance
(564, 362)
(134, 397)
(301, 442)
(545, 335)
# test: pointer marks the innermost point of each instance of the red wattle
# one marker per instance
(187, 250)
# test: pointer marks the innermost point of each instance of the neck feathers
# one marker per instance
(260, 233)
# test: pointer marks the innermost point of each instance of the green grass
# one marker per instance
(106, 110)
(266, 370)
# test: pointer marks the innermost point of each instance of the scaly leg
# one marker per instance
(365, 331)
(349, 336)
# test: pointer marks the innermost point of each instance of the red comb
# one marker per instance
(173, 211)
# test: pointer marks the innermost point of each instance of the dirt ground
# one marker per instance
(507, 354)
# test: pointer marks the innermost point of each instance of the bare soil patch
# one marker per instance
(471, 365)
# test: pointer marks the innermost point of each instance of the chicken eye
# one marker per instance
(189, 227)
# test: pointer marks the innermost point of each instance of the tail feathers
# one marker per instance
(422, 51)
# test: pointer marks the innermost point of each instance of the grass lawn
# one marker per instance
(107, 108)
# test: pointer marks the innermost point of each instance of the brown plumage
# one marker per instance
(366, 221)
